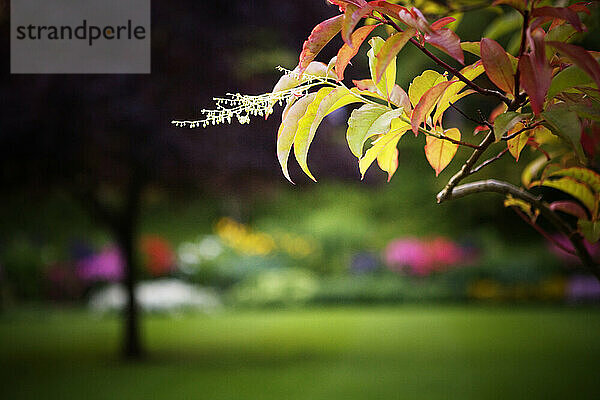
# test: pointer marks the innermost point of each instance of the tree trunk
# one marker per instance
(132, 344)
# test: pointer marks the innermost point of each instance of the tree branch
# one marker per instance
(489, 161)
(494, 186)
(466, 168)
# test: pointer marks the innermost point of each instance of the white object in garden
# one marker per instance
(164, 295)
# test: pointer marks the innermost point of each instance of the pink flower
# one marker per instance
(107, 265)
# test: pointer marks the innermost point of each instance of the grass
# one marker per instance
(408, 352)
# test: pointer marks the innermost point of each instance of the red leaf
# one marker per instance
(535, 72)
(426, 104)
(569, 207)
(390, 49)
(415, 19)
(582, 58)
(580, 7)
(346, 52)
(342, 4)
(352, 15)
(563, 13)
(447, 41)
(497, 65)
(386, 8)
(440, 23)
(319, 37)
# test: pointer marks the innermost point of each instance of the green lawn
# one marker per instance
(408, 352)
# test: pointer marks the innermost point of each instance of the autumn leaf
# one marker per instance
(447, 41)
(563, 13)
(384, 149)
(569, 207)
(581, 57)
(423, 83)
(440, 152)
(346, 52)
(573, 187)
(516, 144)
(352, 15)
(319, 37)
(497, 65)
(386, 84)
(389, 50)
(426, 104)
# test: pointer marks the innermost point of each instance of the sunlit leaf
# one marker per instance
(516, 144)
(386, 84)
(440, 152)
(359, 126)
(389, 50)
(497, 65)
(423, 83)
(447, 41)
(425, 106)
(303, 136)
(384, 149)
(451, 94)
(287, 131)
(352, 15)
(319, 37)
(346, 52)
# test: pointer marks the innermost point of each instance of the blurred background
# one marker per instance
(247, 286)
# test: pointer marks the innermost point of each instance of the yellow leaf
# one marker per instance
(422, 84)
(388, 80)
(384, 149)
(439, 152)
(516, 144)
(451, 94)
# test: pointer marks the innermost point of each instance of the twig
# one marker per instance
(461, 112)
(466, 168)
(489, 161)
(517, 133)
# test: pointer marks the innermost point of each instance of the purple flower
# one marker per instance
(105, 266)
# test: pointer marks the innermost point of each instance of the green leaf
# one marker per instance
(566, 125)
(504, 24)
(386, 84)
(367, 121)
(506, 121)
(532, 169)
(569, 77)
(287, 131)
(303, 137)
(582, 174)
(589, 229)
(389, 50)
(573, 187)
